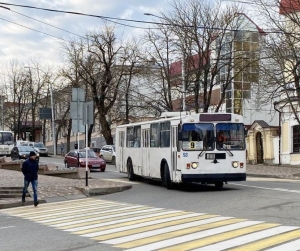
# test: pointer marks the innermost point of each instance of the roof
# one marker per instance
(193, 63)
(289, 6)
(262, 123)
(260, 30)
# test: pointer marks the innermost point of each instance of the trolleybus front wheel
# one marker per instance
(166, 177)
(130, 173)
(219, 184)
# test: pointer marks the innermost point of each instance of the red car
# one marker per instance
(94, 162)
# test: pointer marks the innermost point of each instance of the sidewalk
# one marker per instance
(273, 171)
(55, 188)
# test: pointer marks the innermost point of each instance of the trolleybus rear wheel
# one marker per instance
(167, 179)
(130, 173)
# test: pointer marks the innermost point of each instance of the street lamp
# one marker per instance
(52, 111)
(182, 67)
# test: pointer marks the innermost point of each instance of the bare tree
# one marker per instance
(98, 64)
(281, 67)
(201, 37)
(17, 98)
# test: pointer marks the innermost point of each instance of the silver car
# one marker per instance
(108, 153)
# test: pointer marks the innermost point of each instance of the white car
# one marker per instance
(108, 153)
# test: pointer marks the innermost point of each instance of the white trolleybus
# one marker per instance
(6, 143)
(208, 148)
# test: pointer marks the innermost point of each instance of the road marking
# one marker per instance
(247, 238)
(139, 227)
(145, 226)
(268, 188)
(162, 234)
(6, 227)
(291, 246)
(219, 237)
(270, 179)
(165, 217)
(260, 245)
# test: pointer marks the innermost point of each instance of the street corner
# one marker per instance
(103, 190)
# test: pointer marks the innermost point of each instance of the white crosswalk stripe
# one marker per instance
(139, 227)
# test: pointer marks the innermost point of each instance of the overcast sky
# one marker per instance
(23, 44)
(20, 43)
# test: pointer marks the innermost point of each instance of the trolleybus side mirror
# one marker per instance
(179, 132)
(245, 132)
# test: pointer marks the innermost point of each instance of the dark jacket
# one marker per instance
(30, 169)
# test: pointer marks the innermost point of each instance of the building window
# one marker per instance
(296, 139)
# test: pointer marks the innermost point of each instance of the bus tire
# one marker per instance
(130, 173)
(219, 184)
(166, 178)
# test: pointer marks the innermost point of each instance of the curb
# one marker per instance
(19, 204)
(102, 191)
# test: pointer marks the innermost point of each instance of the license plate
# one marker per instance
(95, 165)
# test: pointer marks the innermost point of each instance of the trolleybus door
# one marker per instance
(146, 152)
(119, 160)
(174, 152)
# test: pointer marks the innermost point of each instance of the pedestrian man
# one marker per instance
(62, 148)
(75, 146)
(30, 169)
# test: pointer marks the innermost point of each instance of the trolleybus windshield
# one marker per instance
(230, 136)
(198, 136)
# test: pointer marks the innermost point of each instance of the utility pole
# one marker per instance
(53, 121)
(2, 112)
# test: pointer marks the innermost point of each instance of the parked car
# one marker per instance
(94, 162)
(22, 152)
(40, 148)
(108, 153)
(96, 150)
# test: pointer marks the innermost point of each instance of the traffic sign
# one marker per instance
(76, 110)
(45, 113)
(77, 125)
(78, 94)
(88, 113)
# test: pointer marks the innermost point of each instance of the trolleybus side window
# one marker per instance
(134, 136)
(165, 134)
(121, 139)
(154, 135)
(129, 137)
(137, 136)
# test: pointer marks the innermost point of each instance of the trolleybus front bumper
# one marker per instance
(212, 178)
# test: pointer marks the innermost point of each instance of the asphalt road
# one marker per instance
(257, 199)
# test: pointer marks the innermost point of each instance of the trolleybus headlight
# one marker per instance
(234, 164)
(194, 165)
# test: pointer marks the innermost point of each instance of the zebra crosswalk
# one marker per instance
(143, 228)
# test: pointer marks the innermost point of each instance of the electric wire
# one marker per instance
(107, 18)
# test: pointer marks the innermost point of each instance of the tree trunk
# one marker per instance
(69, 135)
(105, 130)
(90, 131)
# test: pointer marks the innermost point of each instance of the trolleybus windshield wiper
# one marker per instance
(227, 150)
(201, 153)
